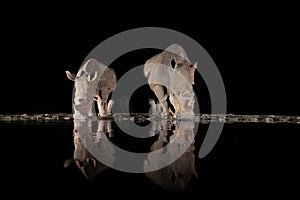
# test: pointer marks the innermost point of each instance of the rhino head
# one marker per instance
(181, 92)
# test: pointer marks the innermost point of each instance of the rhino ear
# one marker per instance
(173, 63)
(70, 75)
(67, 163)
(91, 77)
(80, 73)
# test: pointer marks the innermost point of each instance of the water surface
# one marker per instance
(250, 159)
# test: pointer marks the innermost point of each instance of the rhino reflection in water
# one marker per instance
(92, 77)
(84, 136)
(176, 176)
(172, 70)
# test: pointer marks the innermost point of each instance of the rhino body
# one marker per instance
(91, 78)
(170, 74)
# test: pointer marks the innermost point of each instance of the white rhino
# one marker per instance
(91, 78)
(171, 74)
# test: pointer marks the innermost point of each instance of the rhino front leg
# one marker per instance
(160, 94)
(101, 111)
(175, 103)
(109, 107)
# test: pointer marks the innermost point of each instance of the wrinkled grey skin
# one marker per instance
(176, 176)
(172, 70)
(92, 77)
(84, 135)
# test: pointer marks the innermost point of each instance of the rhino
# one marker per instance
(83, 136)
(177, 175)
(91, 78)
(170, 74)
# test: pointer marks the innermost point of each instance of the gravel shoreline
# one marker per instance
(202, 118)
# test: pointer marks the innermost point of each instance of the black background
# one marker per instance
(255, 48)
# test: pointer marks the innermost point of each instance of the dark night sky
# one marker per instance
(256, 52)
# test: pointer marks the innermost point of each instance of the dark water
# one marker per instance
(249, 160)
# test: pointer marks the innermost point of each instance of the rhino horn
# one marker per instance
(195, 65)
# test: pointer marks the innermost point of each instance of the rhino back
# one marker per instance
(92, 65)
(177, 51)
(108, 79)
(158, 68)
